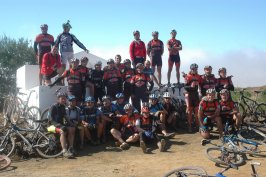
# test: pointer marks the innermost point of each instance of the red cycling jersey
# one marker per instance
(49, 62)
(208, 107)
(173, 43)
(45, 41)
(137, 49)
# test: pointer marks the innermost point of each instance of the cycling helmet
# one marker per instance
(84, 59)
(71, 98)
(74, 60)
(61, 94)
(155, 33)
(193, 66)
(119, 95)
(109, 61)
(89, 99)
(139, 65)
(98, 63)
(224, 91)
(127, 61)
(173, 31)
(44, 26)
(208, 67)
(67, 24)
(128, 106)
(145, 109)
(222, 69)
(210, 91)
(153, 96)
(106, 97)
(135, 32)
(166, 95)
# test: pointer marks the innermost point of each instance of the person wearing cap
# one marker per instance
(174, 46)
(74, 79)
(112, 79)
(92, 121)
(208, 80)
(58, 118)
(84, 70)
(209, 113)
(96, 77)
(51, 65)
(155, 49)
(65, 42)
(127, 74)
(224, 82)
(42, 44)
(139, 90)
(229, 112)
(192, 95)
(137, 50)
(148, 127)
(128, 132)
(171, 116)
(73, 120)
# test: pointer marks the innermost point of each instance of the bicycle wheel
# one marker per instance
(187, 171)
(252, 134)
(223, 157)
(45, 114)
(242, 111)
(48, 146)
(33, 113)
(252, 147)
(260, 112)
(7, 145)
(17, 109)
(4, 162)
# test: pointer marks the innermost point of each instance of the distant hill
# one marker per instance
(249, 91)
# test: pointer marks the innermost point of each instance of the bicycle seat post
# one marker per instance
(254, 172)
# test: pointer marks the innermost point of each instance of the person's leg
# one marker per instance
(81, 135)
(134, 138)
(63, 140)
(219, 125)
(159, 70)
(99, 132)
(117, 135)
(189, 118)
(196, 116)
(39, 58)
(177, 67)
(71, 135)
(170, 68)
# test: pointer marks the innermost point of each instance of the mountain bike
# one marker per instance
(29, 141)
(251, 108)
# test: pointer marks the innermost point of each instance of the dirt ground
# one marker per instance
(184, 150)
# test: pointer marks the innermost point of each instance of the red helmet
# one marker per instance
(145, 109)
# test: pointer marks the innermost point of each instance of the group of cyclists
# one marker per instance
(108, 112)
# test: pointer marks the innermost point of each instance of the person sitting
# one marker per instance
(171, 116)
(208, 114)
(228, 110)
(58, 118)
(208, 80)
(147, 127)
(128, 132)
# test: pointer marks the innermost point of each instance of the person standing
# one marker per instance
(137, 50)
(174, 46)
(155, 51)
(65, 40)
(42, 44)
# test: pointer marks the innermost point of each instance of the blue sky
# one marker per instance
(216, 32)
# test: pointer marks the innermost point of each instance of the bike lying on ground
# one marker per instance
(198, 171)
(30, 141)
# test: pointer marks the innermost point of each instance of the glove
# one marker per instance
(203, 128)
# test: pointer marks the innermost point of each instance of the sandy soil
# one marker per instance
(184, 150)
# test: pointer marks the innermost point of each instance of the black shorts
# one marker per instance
(49, 77)
(138, 60)
(156, 60)
(193, 99)
(228, 119)
(174, 58)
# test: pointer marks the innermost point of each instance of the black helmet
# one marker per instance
(193, 66)
(61, 94)
(109, 61)
(67, 25)
(155, 33)
(127, 61)
(222, 69)
(71, 98)
(135, 32)
(44, 26)
(173, 31)
(84, 59)
(98, 63)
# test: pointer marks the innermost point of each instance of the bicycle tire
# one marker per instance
(44, 114)
(242, 110)
(17, 109)
(7, 146)
(260, 112)
(48, 146)
(187, 171)
(4, 162)
(33, 113)
(236, 158)
(248, 147)
(252, 134)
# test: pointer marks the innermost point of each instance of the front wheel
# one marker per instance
(223, 156)
(7, 145)
(48, 146)
(33, 113)
(187, 171)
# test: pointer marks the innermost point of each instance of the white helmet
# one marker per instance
(166, 95)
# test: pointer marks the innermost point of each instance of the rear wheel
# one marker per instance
(7, 145)
(252, 134)
(223, 157)
(48, 146)
(33, 113)
(260, 112)
(187, 171)
(242, 111)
